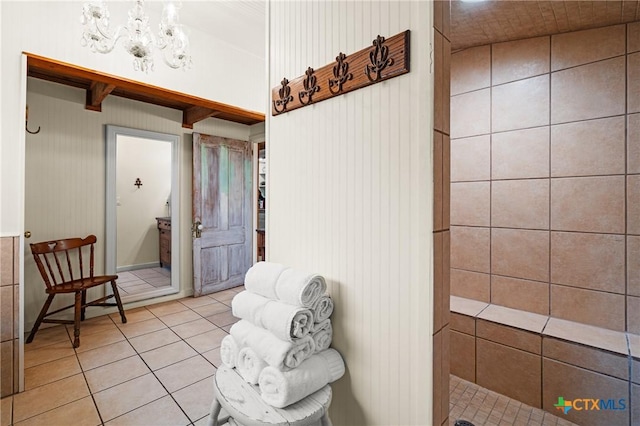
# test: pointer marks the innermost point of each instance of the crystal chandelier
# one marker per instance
(139, 40)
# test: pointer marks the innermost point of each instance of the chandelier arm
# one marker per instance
(104, 32)
(159, 42)
(112, 38)
(183, 62)
(169, 64)
(173, 64)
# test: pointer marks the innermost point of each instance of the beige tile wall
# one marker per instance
(9, 315)
(441, 218)
(545, 176)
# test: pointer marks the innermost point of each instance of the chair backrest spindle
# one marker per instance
(47, 277)
(81, 264)
(91, 263)
(60, 271)
(69, 267)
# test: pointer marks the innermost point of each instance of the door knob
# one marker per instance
(27, 234)
(196, 229)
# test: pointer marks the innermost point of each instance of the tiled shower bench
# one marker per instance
(537, 359)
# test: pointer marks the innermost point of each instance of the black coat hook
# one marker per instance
(138, 183)
(26, 124)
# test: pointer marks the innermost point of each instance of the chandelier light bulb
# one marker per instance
(139, 39)
(170, 13)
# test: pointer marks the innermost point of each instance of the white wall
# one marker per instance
(52, 29)
(138, 207)
(350, 197)
(65, 172)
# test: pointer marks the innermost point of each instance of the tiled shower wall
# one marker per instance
(9, 315)
(441, 234)
(545, 172)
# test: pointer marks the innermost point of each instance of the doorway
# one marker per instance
(142, 196)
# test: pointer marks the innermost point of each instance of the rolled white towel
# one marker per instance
(301, 350)
(300, 288)
(261, 278)
(283, 388)
(250, 365)
(249, 306)
(322, 308)
(285, 321)
(275, 352)
(229, 349)
(322, 334)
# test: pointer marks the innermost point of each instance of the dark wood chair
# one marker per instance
(63, 266)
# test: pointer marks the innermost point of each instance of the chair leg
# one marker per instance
(41, 316)
(76, 319)
(84, 302)
(118, 301)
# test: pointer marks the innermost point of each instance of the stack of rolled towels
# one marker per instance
(281, 342)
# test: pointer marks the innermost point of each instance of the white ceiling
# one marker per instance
(238, 22)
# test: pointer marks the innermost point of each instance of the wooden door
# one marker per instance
(222, 210)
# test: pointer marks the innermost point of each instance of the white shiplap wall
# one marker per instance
(65, 172)
(350, 197)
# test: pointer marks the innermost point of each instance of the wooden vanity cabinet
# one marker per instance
(164, 230)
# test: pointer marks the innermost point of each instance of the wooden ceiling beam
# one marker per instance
(97, 93)
(101, 84)
(196, 113)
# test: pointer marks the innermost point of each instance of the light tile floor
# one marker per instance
(157, 369)
(482, 407)
(140, 280)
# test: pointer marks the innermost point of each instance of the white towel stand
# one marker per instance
(246, 408)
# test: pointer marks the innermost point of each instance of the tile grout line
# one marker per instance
(626, 180)
(84, 375)
(550, 203)
(626, 221)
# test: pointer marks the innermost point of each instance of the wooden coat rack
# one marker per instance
(385, 59)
